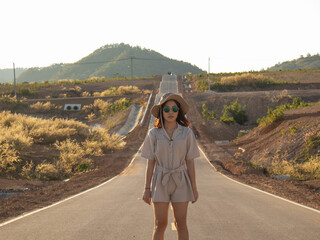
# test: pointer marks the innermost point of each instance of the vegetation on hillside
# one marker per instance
(111, 61)
(305, 165)
(6, 75)
(234, 112)
(278, 113)
(308, 62)
(223, 82)
(290, 147)
(67, 88)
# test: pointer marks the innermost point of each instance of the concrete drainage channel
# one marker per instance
(10, 193)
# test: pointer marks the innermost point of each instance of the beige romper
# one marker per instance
(171, 180)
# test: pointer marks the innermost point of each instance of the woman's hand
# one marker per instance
(196, 195)
(147, 196)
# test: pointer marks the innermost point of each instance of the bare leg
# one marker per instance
(180, 219)
(160, 219)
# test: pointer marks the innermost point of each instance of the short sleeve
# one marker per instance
(192, 147)
(148, 147)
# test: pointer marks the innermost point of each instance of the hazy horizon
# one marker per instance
(236, 35)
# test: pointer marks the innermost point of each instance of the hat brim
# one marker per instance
(155, 110)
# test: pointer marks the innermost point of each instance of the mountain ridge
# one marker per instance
(113, 60)
(308, 62)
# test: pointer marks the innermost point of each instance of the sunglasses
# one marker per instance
(174, 109)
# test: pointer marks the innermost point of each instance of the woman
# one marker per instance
(170, 148)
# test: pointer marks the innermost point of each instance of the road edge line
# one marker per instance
(257, 189)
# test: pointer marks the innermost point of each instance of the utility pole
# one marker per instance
(209, 74)
(14, 81)
(131, 58)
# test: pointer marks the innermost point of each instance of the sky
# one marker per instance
(237, 35)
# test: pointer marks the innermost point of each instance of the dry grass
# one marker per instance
(122, 90)
(103, 109)
(304, 164)
(9, 159)
(40, 107)
(308, 170)
(246, 79)
(74, 141)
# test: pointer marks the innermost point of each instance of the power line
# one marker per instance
(118, 60)
(122, 59)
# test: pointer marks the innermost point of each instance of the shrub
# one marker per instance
(91, 117)
(201, 85)
(104, 140)
(206, 114)
(308, 170)
(218, 86)
(24, 92)
(9, 159)
(234, 112)
(8, 99)
(92, 147)
(11, 102)
(312, 142)
(46, 171)
(298, 103)
(278, 113)
(272, 116)
(83, 167)
(85, 94)
(40, 107)
(21, 131)
(100, 107)
(119, 105)
(13, 132)
(125, 90)
(226, 119)
(71, 155)
(28, 170)
(122, 90)
(247, 79)
(283, 95)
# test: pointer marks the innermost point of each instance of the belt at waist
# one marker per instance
(166, 173)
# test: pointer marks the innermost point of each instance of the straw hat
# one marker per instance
(155, 110)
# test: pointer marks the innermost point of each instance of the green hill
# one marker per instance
(111, 61)
(6, 75)
(308, 62)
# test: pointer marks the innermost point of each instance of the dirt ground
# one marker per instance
(223, 155)
(38, 194)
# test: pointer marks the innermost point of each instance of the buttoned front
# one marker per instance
(171, 155)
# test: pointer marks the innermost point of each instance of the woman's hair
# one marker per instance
(181, 119)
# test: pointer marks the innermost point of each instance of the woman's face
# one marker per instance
(170, 116)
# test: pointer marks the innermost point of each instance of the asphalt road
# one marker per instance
(114, 210)
(225, 210)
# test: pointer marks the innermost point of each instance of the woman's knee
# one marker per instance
(160, 224)
(181, 224)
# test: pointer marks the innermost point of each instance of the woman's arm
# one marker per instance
(149, 173)
(192, 175)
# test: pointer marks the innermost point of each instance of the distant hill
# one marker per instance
(111, 61)
(6, 75)
(308, 62)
